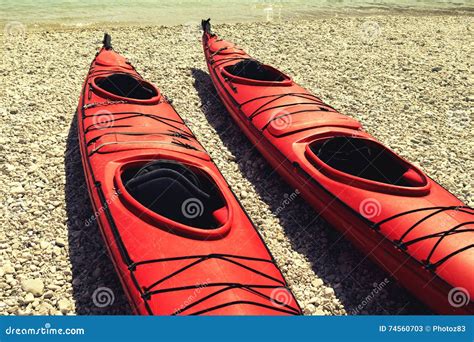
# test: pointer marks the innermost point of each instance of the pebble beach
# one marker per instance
(407, 78)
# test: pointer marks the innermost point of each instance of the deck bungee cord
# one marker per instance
(148, 291)
(177, 132)
(406, 222)
(400, 243)
(227, 258)
(143, 165)
(283, 307)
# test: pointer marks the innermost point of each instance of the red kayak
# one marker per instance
(406, 222)
(179, 239)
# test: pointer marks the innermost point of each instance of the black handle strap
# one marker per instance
(206, 25)
(107, 41)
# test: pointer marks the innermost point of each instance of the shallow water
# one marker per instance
(171, 12)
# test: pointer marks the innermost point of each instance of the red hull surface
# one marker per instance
(408, 224)
(167, 265)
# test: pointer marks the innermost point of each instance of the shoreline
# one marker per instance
(306, 17)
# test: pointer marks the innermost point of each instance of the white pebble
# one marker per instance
(34, 286)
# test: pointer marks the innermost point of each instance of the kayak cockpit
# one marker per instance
(127, 86)
(175, 196)
(361, 161)
(250, 71)
(123, 86)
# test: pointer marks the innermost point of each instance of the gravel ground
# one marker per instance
(407, 78)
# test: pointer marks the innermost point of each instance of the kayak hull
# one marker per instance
(387, 222)
(168, 266)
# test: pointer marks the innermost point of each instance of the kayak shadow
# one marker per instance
(359, 285)
(96, 287)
